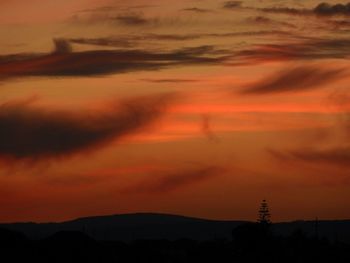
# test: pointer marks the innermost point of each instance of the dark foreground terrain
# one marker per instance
(244, 242)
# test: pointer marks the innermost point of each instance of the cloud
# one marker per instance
(101, 62)
(232, 4)
(172, 37)
(172, 181)
(105, 42)
(286, 10)
(339, 156)
(32, 133)
(340, 101)
(99, 9)
(322, 9)
(263, 20)
(128, 41)
(325, 9)
(197, 10)
(328, 146)
(309, 49)
(115, 8)
(340, 23)
(132, 20)
(295, 79)
(170, 80)
(62, 46)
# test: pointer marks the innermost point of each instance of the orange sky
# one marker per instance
(198, 108)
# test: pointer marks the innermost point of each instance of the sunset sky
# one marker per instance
(193, 107)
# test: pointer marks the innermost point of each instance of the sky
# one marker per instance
(200, 108)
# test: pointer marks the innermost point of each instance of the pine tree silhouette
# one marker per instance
(264, 213)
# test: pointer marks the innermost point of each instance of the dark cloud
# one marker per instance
(102, 62)
(286, 10)
(104, 9)
(132, 20)
(317, 150)
(99, 9)
(322, 9)
(261, 20)
(171, 37)
(169, 80)
(62, 46)
(306, 49)
(197, 10)
(171, 181)
(106, 42)
(339, 156)
(295, 79)
(325, 9)
(128, 41)
(232, 4)
(31, 133)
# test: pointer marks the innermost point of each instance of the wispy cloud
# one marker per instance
(330, 146)
(174, 180)
(322, 9)
(62, 62)
(132, 20)
(32, 133)
(339, 156)
(170, 80)
(295, 79)
(129, 41)
(306, 49)
(232, 4)
(105, 42)
(263, 20)
(287, 10)
(197, 10)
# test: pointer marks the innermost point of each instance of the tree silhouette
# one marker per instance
(264, 214)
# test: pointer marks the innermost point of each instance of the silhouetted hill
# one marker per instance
(129, 227)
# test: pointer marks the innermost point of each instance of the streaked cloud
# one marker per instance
(132, 20)
(232, 4)
(33, 133)
(322, 9)
(170, 181)
(197, 10)
(325, 9)
(62, 62)
(304, 49)
(286, 10)
(104, 42)
(170, 80)
(295, 79)
(339, 156)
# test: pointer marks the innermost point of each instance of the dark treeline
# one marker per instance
(251, 242)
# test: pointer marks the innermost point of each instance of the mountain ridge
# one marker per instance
(132, 226)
